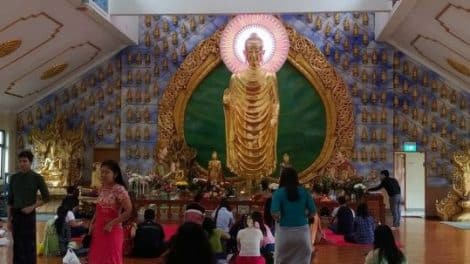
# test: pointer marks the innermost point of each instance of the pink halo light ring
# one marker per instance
(269, 29)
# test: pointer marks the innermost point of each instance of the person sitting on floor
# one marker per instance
(149, 239)
(57, 234)
(190, 244)
(385, 248)
(267, 248)
(249, 242)
(223, 216)
(232, 246)
(195, 211)
(215, 238)
(342, 221)
(71, 202)
(364, 226)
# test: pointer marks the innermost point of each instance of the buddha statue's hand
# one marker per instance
(226, 98)
(273, 121)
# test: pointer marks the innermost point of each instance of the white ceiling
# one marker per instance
(74, 38)
(436, 33)
(51, 33)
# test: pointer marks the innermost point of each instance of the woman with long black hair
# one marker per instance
(385, 249)
(113, 207)
(57, 234)
(292, 205)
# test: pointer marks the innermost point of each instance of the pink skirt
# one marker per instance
(106, 247)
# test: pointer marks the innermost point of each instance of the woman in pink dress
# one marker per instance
(113, 207)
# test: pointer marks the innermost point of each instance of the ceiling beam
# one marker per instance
(177, 7)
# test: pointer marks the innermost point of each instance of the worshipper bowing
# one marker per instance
(291, 206)
(22, 204)
(113, 207)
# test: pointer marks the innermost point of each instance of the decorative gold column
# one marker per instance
(456, 205)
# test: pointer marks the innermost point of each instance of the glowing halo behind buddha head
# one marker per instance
(268, 28)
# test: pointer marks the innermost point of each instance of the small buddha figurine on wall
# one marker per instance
(373, 137)
(373, 116)
(383, 115)
(365, 116)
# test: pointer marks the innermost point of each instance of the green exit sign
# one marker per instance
(409, 147)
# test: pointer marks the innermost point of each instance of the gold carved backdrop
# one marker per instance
(305, 57)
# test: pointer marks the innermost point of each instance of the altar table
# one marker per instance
(172, 211)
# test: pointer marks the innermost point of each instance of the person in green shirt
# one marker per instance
(215, 236)
(22, 202)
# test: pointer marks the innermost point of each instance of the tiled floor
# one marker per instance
(424, 242)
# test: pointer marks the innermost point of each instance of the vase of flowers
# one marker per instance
(359, 190)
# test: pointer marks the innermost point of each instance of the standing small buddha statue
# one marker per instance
(285, 163)
(215, 169)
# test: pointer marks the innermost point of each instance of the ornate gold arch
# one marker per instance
(304, 56)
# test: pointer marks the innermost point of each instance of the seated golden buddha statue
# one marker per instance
(251, 107)
(51, 168)
(340, 168)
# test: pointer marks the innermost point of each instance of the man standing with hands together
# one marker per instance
(22, 204)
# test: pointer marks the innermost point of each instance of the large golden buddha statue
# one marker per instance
(251, 106)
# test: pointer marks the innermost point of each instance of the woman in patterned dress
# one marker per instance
(113, 207)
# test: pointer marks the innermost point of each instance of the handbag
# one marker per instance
(70, 257)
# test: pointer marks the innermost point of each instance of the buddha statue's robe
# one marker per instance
(251, 106)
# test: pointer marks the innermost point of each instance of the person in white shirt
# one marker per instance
(223, 218)
(249, 242)
(78, 227)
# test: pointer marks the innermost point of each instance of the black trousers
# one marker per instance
(24, 237)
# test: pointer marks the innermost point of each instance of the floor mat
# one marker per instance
(338, 240)
(459, 225)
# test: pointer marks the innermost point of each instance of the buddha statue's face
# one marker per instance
(214, 155)
(254, 50)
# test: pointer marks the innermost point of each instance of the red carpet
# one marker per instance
(338, 240)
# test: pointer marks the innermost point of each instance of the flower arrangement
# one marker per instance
(324, 184)
(359, 189)
(217, 190)
(162, 186)
(351, 185)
